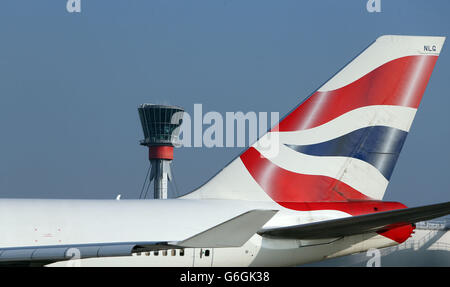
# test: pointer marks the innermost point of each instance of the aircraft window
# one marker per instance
(147, 253)
(206, 252)
(181, 252)
(156, 253)
(164, 253)
(173, 252)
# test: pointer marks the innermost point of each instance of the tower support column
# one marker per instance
(160, 174)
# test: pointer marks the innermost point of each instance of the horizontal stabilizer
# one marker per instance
(374, 222)
(232, 233)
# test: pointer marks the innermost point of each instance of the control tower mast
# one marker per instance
(160, 124)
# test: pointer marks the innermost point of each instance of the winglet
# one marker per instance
(232, 233)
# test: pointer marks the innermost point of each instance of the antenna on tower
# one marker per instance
(160, 124)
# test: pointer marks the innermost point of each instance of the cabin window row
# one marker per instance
(171, 252)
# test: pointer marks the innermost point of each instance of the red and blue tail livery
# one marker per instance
(342, 142)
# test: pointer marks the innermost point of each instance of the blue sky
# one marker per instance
(70, 84)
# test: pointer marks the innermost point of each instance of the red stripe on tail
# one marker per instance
(400, 82)
(284, 186)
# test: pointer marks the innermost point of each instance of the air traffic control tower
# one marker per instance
(160, 124)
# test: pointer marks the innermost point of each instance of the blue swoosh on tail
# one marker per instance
(379, 146)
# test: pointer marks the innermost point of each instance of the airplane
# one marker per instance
(308, 190)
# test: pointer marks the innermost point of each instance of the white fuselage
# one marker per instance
(60, 222)
(256, 252)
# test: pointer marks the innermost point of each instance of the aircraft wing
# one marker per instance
(232, 233)
(359, 224)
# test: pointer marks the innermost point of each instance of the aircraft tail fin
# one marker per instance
(343, 141)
